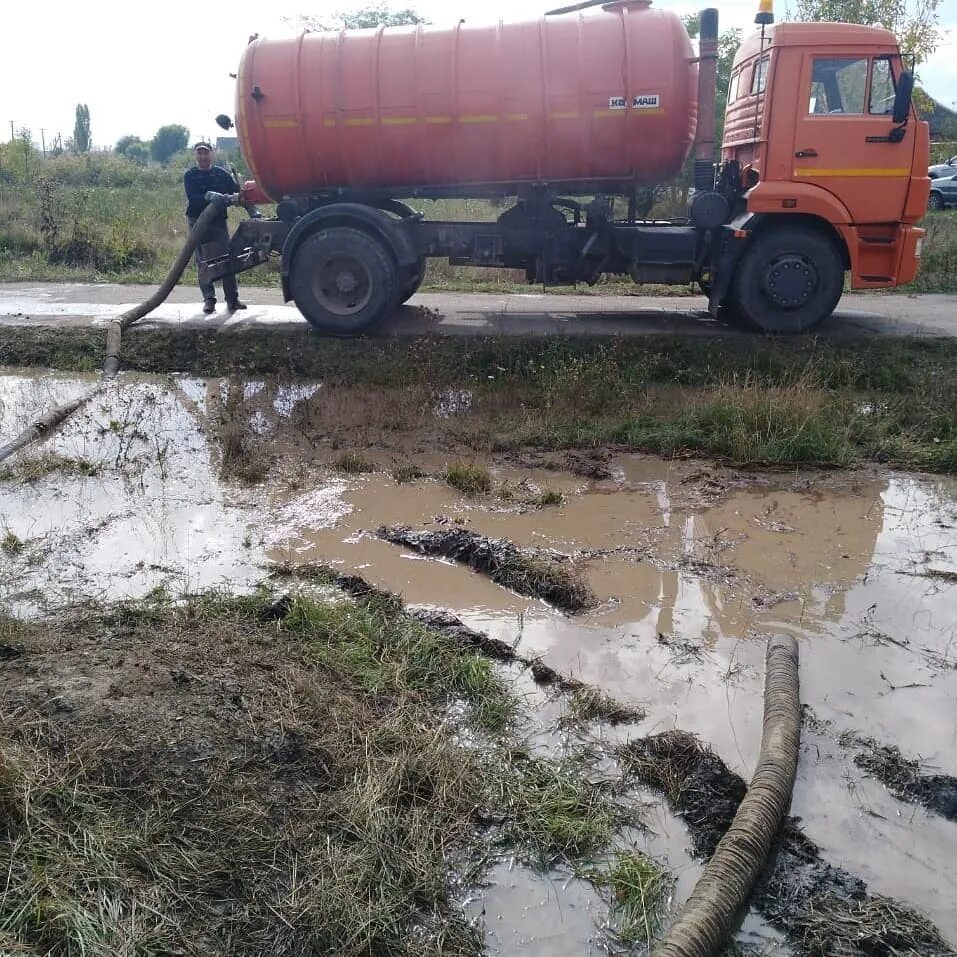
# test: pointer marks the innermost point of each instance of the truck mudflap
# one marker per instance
(731, 246)
(911, 249)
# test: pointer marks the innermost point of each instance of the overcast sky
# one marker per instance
(140, 66)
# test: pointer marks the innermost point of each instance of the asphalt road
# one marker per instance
(68, 304)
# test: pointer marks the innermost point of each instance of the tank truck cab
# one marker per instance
(825, 161)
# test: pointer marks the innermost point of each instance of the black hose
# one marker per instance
(48, 423)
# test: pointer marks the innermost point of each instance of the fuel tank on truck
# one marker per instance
(584, 102)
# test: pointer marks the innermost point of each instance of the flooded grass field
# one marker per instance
(165, 487)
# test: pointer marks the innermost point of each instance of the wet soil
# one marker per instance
(692, 564)
(823, 909)
(542, 577)
(902, 775)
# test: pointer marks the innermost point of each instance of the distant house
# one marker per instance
(227, 144)
(943, 121)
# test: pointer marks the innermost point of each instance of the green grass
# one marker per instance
(468, 478)
(803, 400)
(589, 704)
(102, 218)
(299, 781)
(639, 889)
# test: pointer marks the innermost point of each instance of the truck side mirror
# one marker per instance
(226, 123)
(904, 96)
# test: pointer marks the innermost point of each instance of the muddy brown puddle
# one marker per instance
(692, 565)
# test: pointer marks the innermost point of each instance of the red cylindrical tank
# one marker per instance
(584, 101)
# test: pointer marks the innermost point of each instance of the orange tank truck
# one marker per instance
(822, 171)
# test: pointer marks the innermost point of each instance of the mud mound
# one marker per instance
(901, 776)
(552, 581)
(823, 909)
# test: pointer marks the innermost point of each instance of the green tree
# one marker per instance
(168, 141)
(375, 15)
(915, 23)
(82, 138)
(124, 143)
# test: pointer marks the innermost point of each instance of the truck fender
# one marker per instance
(388, 230)
(749, 225)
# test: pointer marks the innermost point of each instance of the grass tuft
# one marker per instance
(639, 889)
(38, 467)
(469, 479)
(353, 463)
(408, 472)
(11, 544)
(590, 704)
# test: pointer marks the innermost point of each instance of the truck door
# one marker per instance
(842, 135)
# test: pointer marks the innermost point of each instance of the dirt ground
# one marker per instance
(202, 717)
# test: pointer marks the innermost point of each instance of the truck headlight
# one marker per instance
(919, 248)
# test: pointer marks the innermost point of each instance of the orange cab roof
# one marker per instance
(816, 34)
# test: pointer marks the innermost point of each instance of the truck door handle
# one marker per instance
(804, 154)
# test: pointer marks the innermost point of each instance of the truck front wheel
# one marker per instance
(343, 280)
(789, 279)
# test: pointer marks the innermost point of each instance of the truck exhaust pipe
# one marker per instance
(707, 94)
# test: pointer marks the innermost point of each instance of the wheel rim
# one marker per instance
(342, 284)
(791, 280)
(935, 202)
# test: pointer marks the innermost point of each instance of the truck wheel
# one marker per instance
(935, 201)
(415, 276)
(343, 280)
(788, 281)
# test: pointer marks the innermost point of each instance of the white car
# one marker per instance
(943, 169)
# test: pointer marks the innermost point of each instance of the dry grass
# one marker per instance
(353, 463)
(37, 467)
(590, 704)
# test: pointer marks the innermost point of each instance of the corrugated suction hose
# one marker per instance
(722, 891)
(50, 422)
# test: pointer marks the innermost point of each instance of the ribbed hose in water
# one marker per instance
(709, 915)
(50, 422)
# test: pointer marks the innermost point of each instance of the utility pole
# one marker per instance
(43, 141)
(12, 134)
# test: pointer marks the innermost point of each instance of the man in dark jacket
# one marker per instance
(198, 181)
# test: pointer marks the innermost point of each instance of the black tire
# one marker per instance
(343, 280)
(935, 201)
(789, 279)
(414, 276)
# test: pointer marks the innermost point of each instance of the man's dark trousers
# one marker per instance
(217, 233)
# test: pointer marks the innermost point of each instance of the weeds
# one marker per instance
(469, 479)
(404, 474)
(11, 544)
(639, 889)
(554, 810)
(353, 463)
(48, 463)
(289, 774)
(590, 704)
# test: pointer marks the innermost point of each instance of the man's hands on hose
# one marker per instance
(224, 200)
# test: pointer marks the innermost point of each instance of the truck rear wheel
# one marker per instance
(343, 280)
(789, 279)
